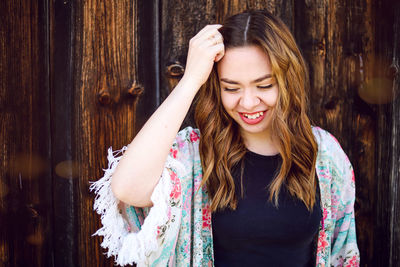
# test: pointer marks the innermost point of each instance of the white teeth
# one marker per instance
(254, 116)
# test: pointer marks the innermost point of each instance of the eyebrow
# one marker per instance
(255, 81)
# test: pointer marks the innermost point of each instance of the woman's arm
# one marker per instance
(141, 166)
(337, 183)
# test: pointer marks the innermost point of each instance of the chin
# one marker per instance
(253, 129)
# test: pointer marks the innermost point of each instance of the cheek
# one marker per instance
(271, 98)
(275, 98)
(228, 101)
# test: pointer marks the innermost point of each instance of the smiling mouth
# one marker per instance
(253, 118)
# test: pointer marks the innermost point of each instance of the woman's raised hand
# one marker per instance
(139, 169)
(205, 48)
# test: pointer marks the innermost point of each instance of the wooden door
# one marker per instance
(115, 91)
(26, 229)
(80, 76)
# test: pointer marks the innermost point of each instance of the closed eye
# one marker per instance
(231, 89)
(265, 87)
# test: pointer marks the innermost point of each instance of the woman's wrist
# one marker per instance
(188, 86)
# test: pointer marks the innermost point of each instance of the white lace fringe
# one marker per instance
(129, 247)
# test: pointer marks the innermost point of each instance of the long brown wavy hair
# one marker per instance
(221, 145)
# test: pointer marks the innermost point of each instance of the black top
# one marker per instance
(259, 234)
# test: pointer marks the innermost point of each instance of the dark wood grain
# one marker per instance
(148, 50)
(280, 8)
(64, 176)
(105, 61)
(25, 177)
(386, 74)
(337, 41)
(80, 76)
(176, 29)
(394, 74)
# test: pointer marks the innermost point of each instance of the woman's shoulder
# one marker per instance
(322, 135)
(330, 151)
(326, 141)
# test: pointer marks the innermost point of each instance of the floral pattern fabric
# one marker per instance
(180, 219)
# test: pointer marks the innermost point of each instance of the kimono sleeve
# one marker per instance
(139, 235)
(344, 250)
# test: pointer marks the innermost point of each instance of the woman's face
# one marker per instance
(249, 91)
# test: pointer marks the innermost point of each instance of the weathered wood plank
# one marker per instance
(180, 21)
(65, 220)
(25, 176)
(148, 47)
(280, 8)
(386, 80)
(394, 73)
(337, 41)
(105, 71)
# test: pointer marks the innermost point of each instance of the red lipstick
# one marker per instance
(250, 120)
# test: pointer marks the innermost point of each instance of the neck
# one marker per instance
(260, 143)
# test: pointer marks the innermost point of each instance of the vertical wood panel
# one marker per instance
(148, 49)
(25, 184)
(180, 21)
(64, 175)
(280, 8)
(386, 79)
(394, 72)
(336, 42)
(105, 71)
(177, 27)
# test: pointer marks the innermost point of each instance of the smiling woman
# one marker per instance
(255, 184)
(256, 46)
(250, 97)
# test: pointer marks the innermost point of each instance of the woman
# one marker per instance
(255, 184)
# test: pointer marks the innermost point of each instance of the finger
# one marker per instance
(212, 41)
(220, 48)
(207, 28)
(208, 33)
(218, 39)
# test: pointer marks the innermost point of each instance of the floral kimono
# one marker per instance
(176, 230)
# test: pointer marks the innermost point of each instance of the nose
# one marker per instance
(249, 99)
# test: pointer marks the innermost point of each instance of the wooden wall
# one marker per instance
(80, 76)
(26, 229)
